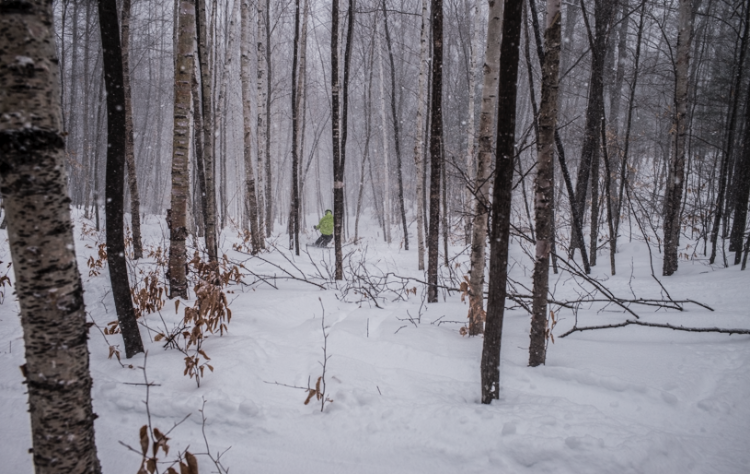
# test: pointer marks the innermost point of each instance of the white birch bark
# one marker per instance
(261, 101)
(419, 142)
(470, 123)
(491, 70)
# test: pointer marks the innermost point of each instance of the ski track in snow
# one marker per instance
(406, 399)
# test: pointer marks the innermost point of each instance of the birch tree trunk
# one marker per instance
(384, 130)
(184, 76)
(470, 132)
(482, 182)
(114, 192)
(261, 102)
(419, 135)
(251, 202)
(135, 200)
(436, 135)
(222, 107)
(208, 127)
(676, 177)
(544, 184)
(48, 286)
(267, 152)
(501, 200)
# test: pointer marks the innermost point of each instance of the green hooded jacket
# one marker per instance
(325, 226)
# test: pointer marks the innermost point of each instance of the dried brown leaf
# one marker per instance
(144, 439)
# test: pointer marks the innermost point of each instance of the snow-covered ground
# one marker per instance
(406, 394)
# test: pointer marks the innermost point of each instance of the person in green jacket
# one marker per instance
(325, 226)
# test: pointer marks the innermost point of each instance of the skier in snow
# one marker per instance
(325, 226)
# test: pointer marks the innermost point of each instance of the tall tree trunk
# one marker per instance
(729, 143)
(338, 185)
(200, 196)
(589, 163)
(339, 129)
(577, 220)
(470, 126)
(615, 97)
(628, 124)
(436, 136)
(743, 188)
(222, 105)
(544, 185)
(135, 200)
(208, 127)
(72, 119)
(419, 135)
(445, 223)
(501, 200)
(99, 121)
(48, 286)
(482, 181)
(608, 201)
(251, 201)
(89, 157)
(261, 101)
(177, 218)
(114, 193)
(267, 152)
(396, 129)
(301, 109)
(384, 129)
(367, 93)
(676, 177)
(294, 216)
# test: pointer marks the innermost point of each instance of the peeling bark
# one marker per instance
(33, 184)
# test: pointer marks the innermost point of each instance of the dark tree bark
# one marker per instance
(396, 128)
(743, 188)
(729, 143)
(338, 156)
(545, 180)
(135, 200)
(198, 143)
(115, 186)
(436, 135)
(338, 190)
(628, 123)
(251, 201)
(577, 222)
(501, 200)
(294, 216)
(33, 184)
(208, 128)
(676, 177)
(589, 163)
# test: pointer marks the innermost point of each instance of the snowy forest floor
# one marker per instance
(405, 383)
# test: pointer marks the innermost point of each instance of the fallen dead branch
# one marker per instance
(629, 322)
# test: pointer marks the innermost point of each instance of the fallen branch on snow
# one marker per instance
(628, 322)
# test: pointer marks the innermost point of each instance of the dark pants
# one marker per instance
(323, 240)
